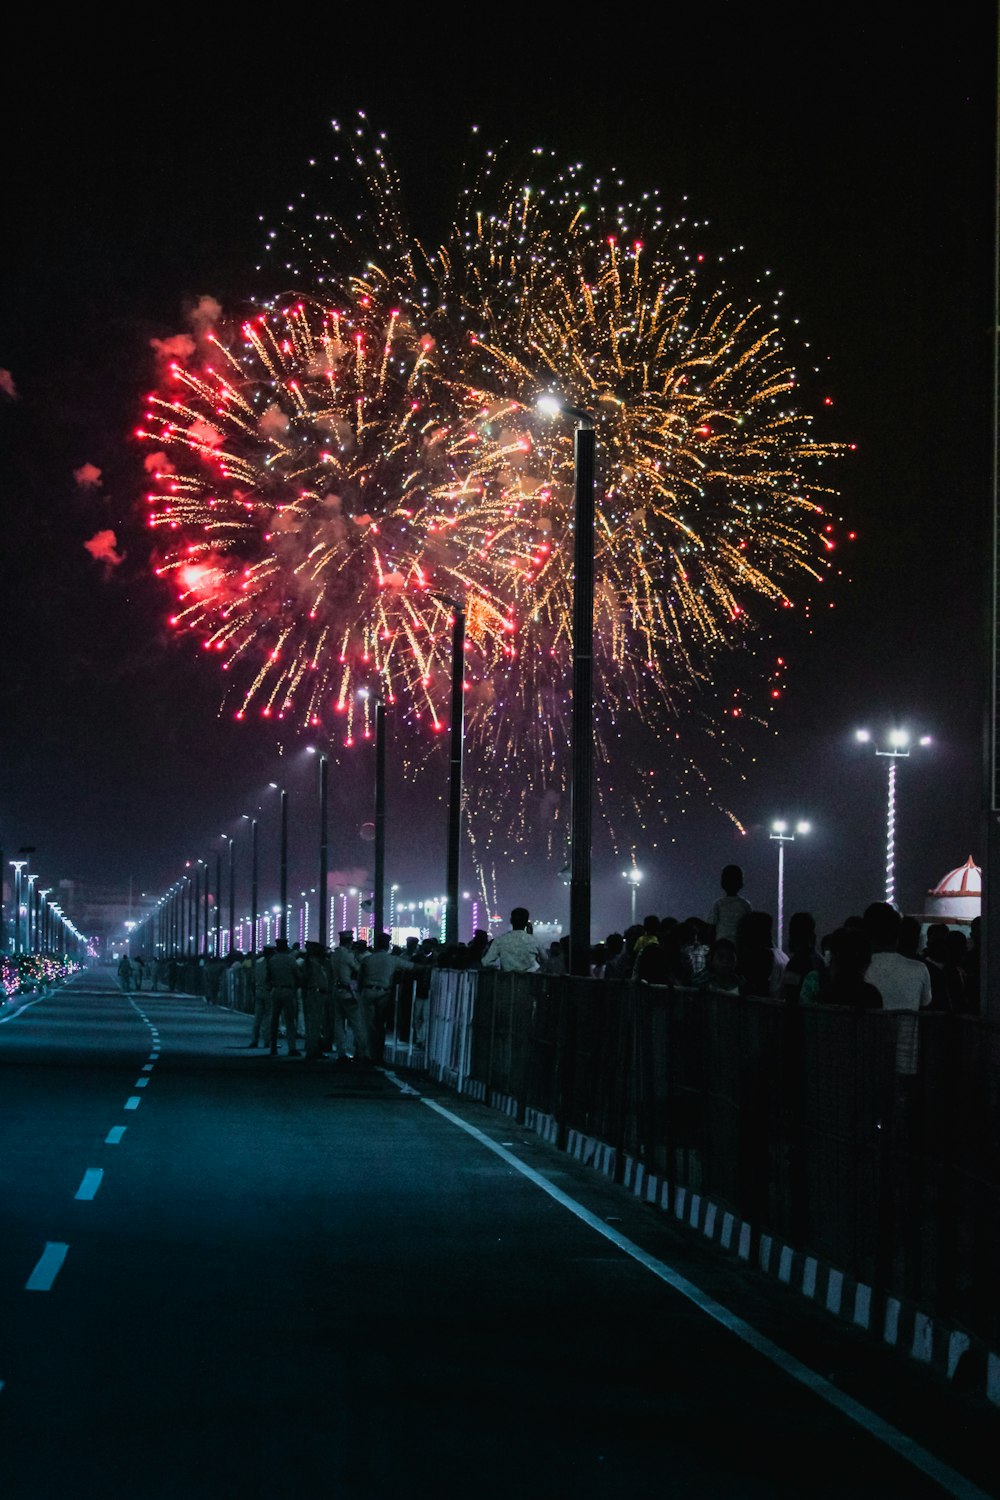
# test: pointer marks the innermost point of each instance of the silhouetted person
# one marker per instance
(725, 916)
(760, 963)
(803, 955)
(844, 983)
(720, 971)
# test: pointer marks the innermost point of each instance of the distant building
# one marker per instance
(957, 899)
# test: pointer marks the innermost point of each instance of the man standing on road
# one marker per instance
(376, 976)
(315, 998)
(284, 976)
(261, 997)
(346, 1006)
(517, 951)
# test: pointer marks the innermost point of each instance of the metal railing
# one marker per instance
(798, 1119)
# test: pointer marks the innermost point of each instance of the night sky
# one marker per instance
(853, 161)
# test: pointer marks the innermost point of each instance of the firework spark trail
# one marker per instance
(341, 456)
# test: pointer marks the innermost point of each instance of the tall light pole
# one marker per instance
(324, 842)
(895, 746)
(378, 895)
(634, 878)
(282, 923)
(232, 895)
(18, 866)
(582, 769)
(254, 893)
(451, 933)
(779, 831)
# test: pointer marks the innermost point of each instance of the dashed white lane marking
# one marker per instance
(140, 1083)
(114, 1135)
(48, 1267)
(948, 1478)
(91, 1182)
(148, 1068)
(134, 1102)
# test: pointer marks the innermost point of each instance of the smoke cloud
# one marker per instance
(103, 548)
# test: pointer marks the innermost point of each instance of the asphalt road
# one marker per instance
(225, 1275)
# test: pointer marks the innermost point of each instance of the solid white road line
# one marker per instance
(134, 1102)
(949, 1479)
(20, 1011)
(114, 1135)
(48, 1267)
(91, 1182)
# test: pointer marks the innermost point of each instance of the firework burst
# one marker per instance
(333, 461)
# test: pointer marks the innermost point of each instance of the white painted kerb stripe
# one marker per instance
(91, 1182)
(48, 1268)
(949, 1479)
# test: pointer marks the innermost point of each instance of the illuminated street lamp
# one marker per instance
(18, 865)
(634, 878)
(281, 929)
(896, 746)
(582, 767)
(779, 831)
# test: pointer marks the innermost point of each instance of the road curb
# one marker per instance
(965, 1361)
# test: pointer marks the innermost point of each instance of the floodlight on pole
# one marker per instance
(896, 746)
(780, 833)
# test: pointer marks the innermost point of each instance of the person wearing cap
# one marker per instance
(315, 998)
(284, 975)
(376, 979)
(346, 1005)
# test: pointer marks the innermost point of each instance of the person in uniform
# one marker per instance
(376, 975)
(284, 974)
(261, 997)
(346, 1006)
(315, 998)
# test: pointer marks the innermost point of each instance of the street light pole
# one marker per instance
(782, 836)
(583, 688)
(899, 748)
(378, 903)
(582, 770)
(18, 866)
(451, 928)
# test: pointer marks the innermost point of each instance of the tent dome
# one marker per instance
(958, 897)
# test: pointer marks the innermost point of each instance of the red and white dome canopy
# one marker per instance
(958, 897)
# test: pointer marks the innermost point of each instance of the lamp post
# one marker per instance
(896, 746)
(378, 894)
(254, 909)
(634, 878)
(779, 832)
(582, 771)
(232, 896)
(18, 866)
(324, 842)
(455, 779)
(282, 923)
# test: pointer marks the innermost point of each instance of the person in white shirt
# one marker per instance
(517, 951)
(903, 983)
